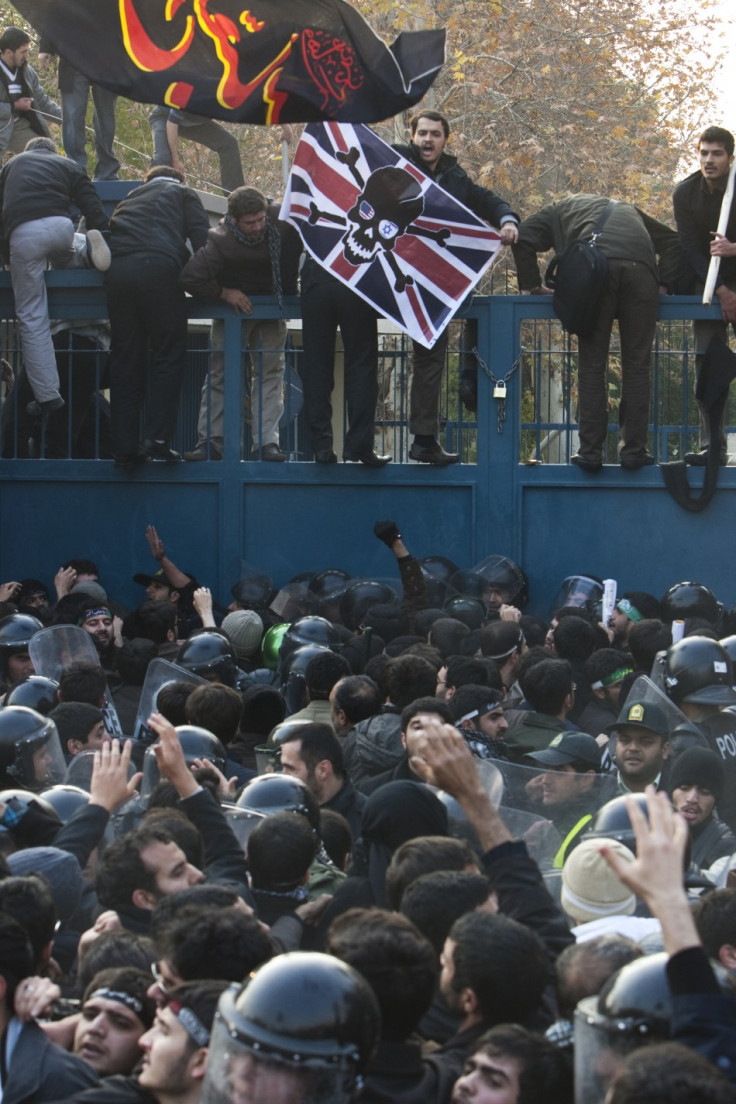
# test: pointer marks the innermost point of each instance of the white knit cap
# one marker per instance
(590, 889)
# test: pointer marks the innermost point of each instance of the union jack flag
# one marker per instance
(381, 226)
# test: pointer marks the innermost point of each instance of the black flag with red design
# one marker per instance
(276, 61)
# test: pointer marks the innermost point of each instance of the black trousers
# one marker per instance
(327, 304)
(148, 325)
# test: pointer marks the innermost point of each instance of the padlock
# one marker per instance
(499, 389)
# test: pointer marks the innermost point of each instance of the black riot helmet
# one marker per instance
(612, 821)
(506, 583)
(301, 1011)
(637, 997)
(332, 580)
(253, 592)
(196, 743)
(685, 600)
(65, 800)
(23, 735)
(359, 596)
(437, 572)
(311, 629)
(36, 692)
(210, 655)
(729, 643)
(295, 662)
(634, 1008)
(15, 632)
(280, 793)
(699, 670)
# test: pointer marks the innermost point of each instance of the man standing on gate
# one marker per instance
(251, 252)
(429, 134)
(697, 204)
(37, 191)
(630, 241)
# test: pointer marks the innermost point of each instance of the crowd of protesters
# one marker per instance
(348, 837)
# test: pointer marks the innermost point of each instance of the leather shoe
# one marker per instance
(433, 454)
(633, 463)
(37, 409)
(202, 452)
(325, 456)
(370, 459)
(160, 451)
(700, 459)
(270, 452)
(590, 466)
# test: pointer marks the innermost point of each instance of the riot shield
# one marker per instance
(241, 823)
(293, 601)
(160, 672)
(79, 770)
(57, 647)
(542, 806)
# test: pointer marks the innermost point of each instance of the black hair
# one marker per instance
(434, 116)
(28, 900)
(121, 870)
(546, 685)
(318, 742)
(82, 682)
(447, 634)
(223, 945)
(715, 134)
(435, 901)
(396, 960)
(574, 638)
(423, 855)
(545, 1071)
(191, 901)
(180, 828)
(13, 38)
(715, 919)
(669, 1073)
(503, 962)
(322, 672)
(125, 979)
(16, 956)
(171, 701)
(337, 838)
(156, 172)
(645, 639)
(115, 948)
(426, 705)
(408, 678)
(281, 850)
(216, 707)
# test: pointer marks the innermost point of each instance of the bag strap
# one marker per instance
(598, 228)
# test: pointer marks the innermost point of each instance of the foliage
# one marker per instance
(544, 96)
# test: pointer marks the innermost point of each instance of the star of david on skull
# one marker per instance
(390, 200)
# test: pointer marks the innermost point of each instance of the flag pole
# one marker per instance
(715, 262)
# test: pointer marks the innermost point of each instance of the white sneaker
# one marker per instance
(98, 251)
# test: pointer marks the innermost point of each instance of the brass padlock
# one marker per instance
(499, 389)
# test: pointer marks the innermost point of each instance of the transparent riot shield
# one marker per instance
(79, 770)
(293, 601)
(160, 672)
(547, 808)
(57, 647)
(242, 822)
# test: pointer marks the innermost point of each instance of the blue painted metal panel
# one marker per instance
(287, 518)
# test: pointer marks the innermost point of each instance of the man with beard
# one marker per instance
(696, 785)
(99, 623)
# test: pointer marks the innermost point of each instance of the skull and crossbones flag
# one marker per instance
(381, 226)
(276, 61)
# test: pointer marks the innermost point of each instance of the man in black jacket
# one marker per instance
(697, 202)
(149, 230)
(429, 134)
(631, 242)
(37, 191)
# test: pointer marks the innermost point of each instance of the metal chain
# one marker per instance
(499, 385)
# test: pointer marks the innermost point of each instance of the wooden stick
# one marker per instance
(715, 262)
